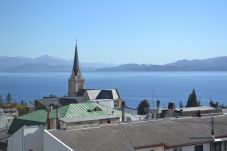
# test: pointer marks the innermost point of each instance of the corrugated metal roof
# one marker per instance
(87, 109)
(90, 109)
(127, 137)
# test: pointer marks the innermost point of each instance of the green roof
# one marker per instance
(86, 109)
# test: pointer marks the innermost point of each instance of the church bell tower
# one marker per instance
(76, 81)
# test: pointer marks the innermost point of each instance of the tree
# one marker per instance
(9, 99)
(22, 102)
(192, 100)
(1, 101)
(214, 104)
(143, 107)
(181, 104)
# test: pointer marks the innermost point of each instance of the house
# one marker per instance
(190, 111)
(186, 134)
(7, 116)
(72, 115)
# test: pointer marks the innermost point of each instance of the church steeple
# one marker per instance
(76, 81)
(76, 65)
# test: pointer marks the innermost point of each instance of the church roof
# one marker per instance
(102, 94)
(76, 67)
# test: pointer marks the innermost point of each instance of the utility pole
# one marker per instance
(212, 134)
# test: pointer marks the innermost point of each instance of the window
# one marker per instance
(199, 148)
(177, 149)
(217, 146)
(225, 146)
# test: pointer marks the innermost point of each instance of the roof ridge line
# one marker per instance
(66, 110)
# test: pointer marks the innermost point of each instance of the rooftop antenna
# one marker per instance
(153, 97)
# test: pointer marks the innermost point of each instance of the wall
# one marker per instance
(33, 137)
(26, 138)
(94, 123)
(51, 143)
(206, 147)
(15, 141)
(105, 102)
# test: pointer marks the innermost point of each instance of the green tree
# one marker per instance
(181, 104)
(143, 107)
(1, 101)
(192, 100)
(9, 99)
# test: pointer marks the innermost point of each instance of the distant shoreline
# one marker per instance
(112, 71)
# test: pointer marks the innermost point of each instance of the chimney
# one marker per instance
(57, 118)
(27, 109)
(123, 110)
(158, 107)
(171, 106)
(48, 117)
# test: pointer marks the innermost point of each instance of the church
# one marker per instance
(78, 93)
(76, 88)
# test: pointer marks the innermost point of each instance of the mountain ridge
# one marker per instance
(48, 63)
(44, 63)
(210, 64)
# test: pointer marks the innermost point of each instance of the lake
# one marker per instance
(132, 86)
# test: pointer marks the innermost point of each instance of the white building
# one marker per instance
(188, 134)
(27, 138)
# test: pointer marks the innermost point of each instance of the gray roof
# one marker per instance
(88, 118)
(102, 94)
(126, 137)
(200, 108)
(3, 133)
(47, 101)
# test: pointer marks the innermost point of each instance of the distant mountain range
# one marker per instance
(43, 64)
(211, 64)
(52, 64)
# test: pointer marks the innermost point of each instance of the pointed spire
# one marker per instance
(76, 68)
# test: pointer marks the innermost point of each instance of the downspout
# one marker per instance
(123, 111)
(48, 118)
(57, 118)
(23, 138)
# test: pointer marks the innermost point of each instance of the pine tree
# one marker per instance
(192, 100)
(1, 101)
(22, 102)
(143, 107)
(9, 99)
(181, 104)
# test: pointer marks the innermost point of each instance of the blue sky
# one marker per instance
(115, 31)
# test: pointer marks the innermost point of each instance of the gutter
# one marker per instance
(58, 140)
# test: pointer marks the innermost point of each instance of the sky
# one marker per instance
(114, 31)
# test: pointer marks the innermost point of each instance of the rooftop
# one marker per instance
(127, 137)
(200, 108)
(78, 110)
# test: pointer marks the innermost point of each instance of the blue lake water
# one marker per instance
(132, 86)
